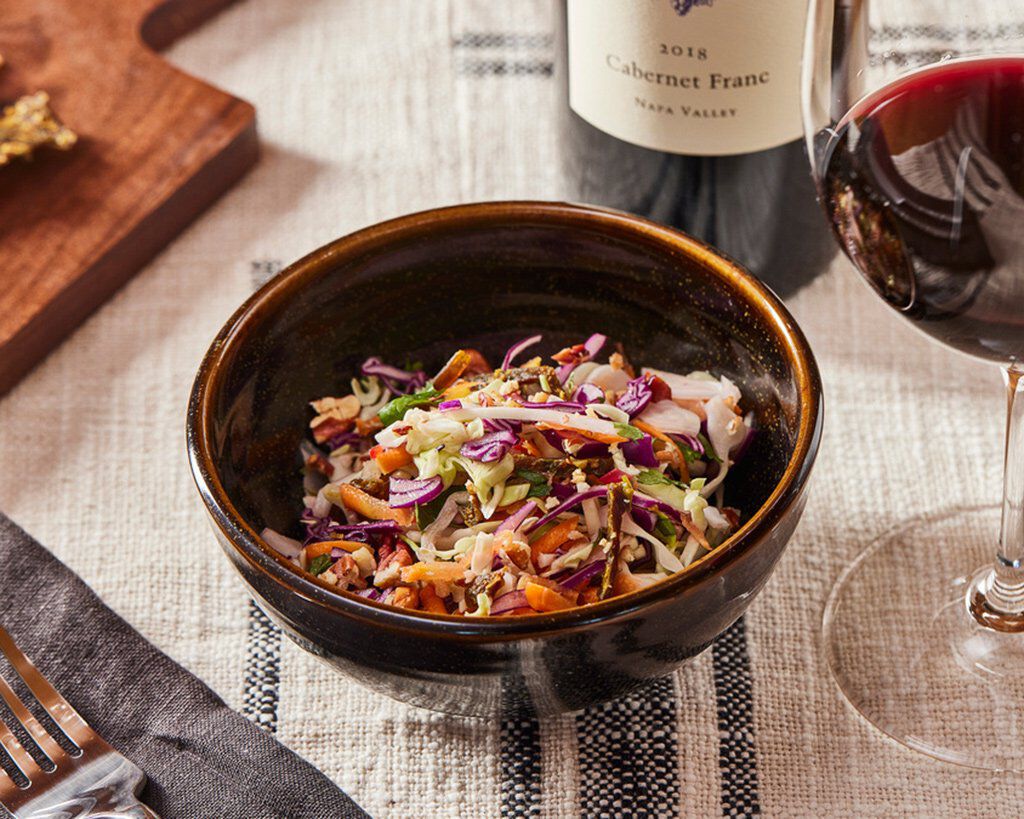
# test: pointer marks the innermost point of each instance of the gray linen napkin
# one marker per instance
(202, 759)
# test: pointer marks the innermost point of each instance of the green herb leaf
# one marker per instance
(320, 564)
(396, 408)
(666, 530)
(426, 513)
(653, 476)
(628, 431)
(539, 486)
(709, 451)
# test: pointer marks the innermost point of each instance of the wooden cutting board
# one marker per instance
(155, 148)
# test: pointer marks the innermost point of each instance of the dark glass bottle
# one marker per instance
(666, 73)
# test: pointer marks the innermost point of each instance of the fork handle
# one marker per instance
(139, 811)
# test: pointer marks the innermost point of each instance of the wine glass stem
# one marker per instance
(1000, 591)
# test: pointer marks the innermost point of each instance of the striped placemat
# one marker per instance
(369, 110)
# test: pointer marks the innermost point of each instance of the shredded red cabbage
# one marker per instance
(644, 518)
(588, 394)
(397, 380)
(496, 424)
(562, 490)
(640, 452)
(489, 447)
(583, 576)
(517, 348)
(408, 492)
(636, 397)
(454, 404)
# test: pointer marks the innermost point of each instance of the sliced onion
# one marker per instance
(517, 348)
(515, 520)
(744, 446)
(655, 505)
(444, 518)
(285, 546)
(583, 575)
(568, 406)
(409, 492)
(371, 593)
(565, 506)
(509, 602)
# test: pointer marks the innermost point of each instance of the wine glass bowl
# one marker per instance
(914, 123)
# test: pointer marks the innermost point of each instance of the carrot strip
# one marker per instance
(600, 437)
(430, 601)
(460, 389)
(440, 572)
(370, 507)
(322, 547)
(541, 598)
(390, 459)
(553, 538)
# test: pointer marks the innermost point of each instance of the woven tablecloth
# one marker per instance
(368, 110)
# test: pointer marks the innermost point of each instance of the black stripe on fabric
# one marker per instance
(935, 32)
(502, 39)
(734, 699)
(472, 67)
(628, 755)
(262, 670)
(263, 270)
(520, 755)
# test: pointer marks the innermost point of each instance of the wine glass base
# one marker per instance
(909, 656)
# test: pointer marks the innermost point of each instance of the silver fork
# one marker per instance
(95, 782)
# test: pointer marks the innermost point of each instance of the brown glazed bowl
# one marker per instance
(484, 275)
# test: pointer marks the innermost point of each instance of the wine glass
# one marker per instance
(914, 120)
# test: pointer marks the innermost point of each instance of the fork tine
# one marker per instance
(56, 706)
(22, 758)
(28, 721)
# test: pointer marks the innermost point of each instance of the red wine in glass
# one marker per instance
(924, 183)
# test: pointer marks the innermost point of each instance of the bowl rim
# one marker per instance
(247, 543)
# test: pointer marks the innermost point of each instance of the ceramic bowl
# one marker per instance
(484, 275)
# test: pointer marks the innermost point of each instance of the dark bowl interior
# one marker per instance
(465, 283)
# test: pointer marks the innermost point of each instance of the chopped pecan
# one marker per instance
(319, 463)
(328, 428)
(389, 569)
(343, 409)
(347, 572)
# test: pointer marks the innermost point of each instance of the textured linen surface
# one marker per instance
(200, 757)
(368, 110)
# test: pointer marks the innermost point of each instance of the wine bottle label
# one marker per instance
(701, 77)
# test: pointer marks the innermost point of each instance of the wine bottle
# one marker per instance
(688, 112)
